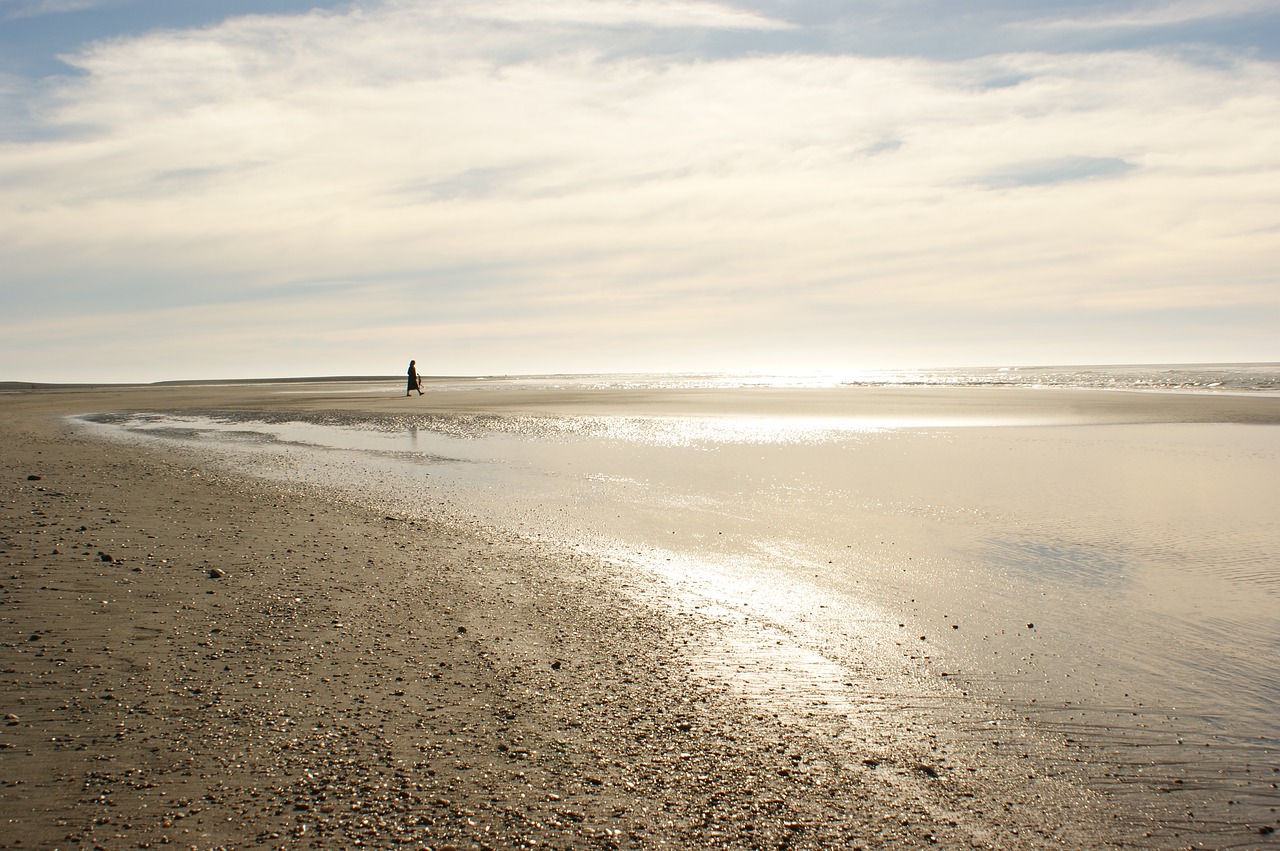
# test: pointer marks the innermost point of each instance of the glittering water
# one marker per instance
(1224, 378)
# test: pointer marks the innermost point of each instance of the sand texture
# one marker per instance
(193, 659)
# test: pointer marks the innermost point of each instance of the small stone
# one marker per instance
(216, 573)
(33, 478)
(105, 556)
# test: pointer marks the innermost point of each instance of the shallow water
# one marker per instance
(1114, 580)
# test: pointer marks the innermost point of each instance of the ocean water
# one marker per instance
(1225, 378)
(1114, 582)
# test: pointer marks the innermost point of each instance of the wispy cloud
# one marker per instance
(1159, 15)
(503, 182)
(613, 13)
(15, 9)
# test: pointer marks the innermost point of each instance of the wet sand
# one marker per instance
(194, 658)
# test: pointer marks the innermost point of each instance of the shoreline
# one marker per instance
(1053, 405)
(353, 676)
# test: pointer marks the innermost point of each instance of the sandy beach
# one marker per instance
(203, 659)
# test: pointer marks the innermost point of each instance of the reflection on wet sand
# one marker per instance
(1098, 566)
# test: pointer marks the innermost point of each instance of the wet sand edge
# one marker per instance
(200, 659)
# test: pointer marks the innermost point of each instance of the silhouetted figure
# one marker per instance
(415, 383)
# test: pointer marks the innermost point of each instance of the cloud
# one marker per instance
(15, 9)
(614, 13)
(367, 174)
(1160, 15)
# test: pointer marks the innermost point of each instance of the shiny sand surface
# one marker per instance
(608, 697)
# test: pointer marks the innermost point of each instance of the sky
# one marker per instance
(235, 189)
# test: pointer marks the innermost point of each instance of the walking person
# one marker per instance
(415, 383)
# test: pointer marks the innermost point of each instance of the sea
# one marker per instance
(1245, 378)
(970, 534)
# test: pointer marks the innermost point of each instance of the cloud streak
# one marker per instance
(11, 10)
(521, 183)
(608, 13)
(1151, 15)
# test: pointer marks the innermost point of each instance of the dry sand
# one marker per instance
(194, 659)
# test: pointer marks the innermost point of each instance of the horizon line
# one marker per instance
(48, 385)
